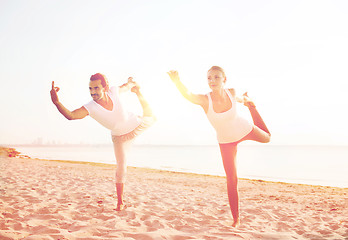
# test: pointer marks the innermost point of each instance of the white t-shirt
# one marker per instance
(118, 120)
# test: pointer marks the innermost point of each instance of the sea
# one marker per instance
(314, 165)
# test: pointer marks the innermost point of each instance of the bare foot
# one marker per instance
(247, 101)
(135, 89)
(236, 223)
(120, 207)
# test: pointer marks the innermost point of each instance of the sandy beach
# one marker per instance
(42, 199)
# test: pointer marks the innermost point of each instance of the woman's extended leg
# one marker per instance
(258, 121)
(260, 132)
(228, 154)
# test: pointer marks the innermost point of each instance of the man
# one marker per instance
(107, 109)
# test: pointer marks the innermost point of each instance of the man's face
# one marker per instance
(96, 89)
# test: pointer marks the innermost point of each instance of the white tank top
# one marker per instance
(118, 120)
(228, 125)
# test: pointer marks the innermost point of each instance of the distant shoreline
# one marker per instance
(170, 168)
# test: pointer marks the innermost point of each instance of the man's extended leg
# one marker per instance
(147, 112)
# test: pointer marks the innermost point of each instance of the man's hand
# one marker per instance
(134, 87)
(54, 95)
(130, 80)
(128, 85)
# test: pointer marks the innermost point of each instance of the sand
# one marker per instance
(62, 200)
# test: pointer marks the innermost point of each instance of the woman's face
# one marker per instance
(216, 79)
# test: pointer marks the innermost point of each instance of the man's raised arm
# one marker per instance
(76, 114)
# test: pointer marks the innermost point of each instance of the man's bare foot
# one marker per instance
(120, 207)
(236, 223)
(136, 88)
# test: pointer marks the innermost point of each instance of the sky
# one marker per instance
(291, 57)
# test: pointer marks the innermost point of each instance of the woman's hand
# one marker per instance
(247, 101)
(174, 76)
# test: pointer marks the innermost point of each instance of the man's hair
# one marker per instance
(102, 78)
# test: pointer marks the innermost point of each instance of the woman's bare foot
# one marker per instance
(247, 101)
(236, 223)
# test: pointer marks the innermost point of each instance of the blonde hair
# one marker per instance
(218, 69)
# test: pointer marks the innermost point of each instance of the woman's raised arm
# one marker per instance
(198, 99)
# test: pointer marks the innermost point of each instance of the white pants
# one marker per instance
(122, 144)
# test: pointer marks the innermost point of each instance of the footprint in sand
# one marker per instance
(145, 217)
(153, 225)
(130, 215)
(170, 215)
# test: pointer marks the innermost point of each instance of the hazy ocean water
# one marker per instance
(318, 165)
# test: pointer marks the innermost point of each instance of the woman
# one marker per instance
(220, 108)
